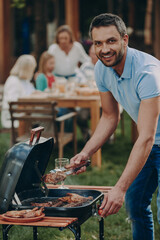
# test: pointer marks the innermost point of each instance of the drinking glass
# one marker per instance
(60, 163)
(70, 86)
(61, 85)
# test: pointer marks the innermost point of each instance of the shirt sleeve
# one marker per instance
(149, 82)
(51, 49)
(12, 90)
(100, 77)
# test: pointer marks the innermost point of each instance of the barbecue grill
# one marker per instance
(21, 182)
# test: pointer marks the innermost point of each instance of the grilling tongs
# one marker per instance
(59, 175)
(85, 163)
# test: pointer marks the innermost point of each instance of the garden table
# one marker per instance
(92, 102)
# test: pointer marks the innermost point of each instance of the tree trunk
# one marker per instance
(157, 29)
(148, 23)
(40, 27)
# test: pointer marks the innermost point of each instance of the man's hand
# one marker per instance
(112, 202)
(76, 160)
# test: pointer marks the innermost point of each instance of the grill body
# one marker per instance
(21, 175)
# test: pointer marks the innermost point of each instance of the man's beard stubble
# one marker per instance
(117, 61)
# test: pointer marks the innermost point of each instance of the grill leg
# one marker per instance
(101, 229)
(5, 229)
(35, 233)
(76, 229)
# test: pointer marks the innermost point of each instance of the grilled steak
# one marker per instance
(70, 200)
(35, 212)
(74, 198)
(54, 178)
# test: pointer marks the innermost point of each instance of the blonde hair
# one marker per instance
(24, 67)
(64, 28)
(45, 56)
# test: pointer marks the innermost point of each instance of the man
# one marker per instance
(87, 68)
(131, 78)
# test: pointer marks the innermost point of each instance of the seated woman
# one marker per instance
(67, 53)
(17, 85)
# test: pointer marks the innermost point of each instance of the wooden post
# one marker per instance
(72, 16)
(131, 17)
(148, 23)
(157, 30)
(5, 58)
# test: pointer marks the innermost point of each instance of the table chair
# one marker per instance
(31, 114)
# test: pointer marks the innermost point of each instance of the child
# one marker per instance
(45, 78)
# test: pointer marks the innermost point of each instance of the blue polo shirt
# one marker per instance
(140, 80)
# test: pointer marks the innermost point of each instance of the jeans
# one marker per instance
(139, 195)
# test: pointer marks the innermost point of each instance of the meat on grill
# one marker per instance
(35, 212)
(54, 178)
(45, 204)
(70, 200)
(74, 198)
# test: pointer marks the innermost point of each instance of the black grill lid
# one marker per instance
(38, 158)
(18, 171)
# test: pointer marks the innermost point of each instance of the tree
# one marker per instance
(18, 3)
(148, 23)
(40, 21)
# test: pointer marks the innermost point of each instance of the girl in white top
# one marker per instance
(67, 53)
(17, 85)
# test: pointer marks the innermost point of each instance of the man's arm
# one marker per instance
(147, 125)
(107, 124)
(105, 128)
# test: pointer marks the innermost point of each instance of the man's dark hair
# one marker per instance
(108, 19)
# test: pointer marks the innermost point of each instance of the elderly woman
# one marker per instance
(67, 53)
(17, 85)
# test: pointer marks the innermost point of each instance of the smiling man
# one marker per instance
(110, 47)
(132, 78)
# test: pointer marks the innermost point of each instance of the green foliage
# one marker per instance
(4, 145)
(18, 3)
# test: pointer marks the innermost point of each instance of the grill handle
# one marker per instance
(45, 189)
(35, 131)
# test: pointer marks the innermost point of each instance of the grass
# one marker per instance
(114, 158)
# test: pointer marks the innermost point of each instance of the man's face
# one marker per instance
(109, 45)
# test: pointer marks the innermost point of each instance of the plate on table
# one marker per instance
(57, 95)
(22, 220)
(86, 91)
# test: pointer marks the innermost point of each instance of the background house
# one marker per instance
(29, 26)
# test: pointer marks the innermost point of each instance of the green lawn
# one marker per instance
(114, 157)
